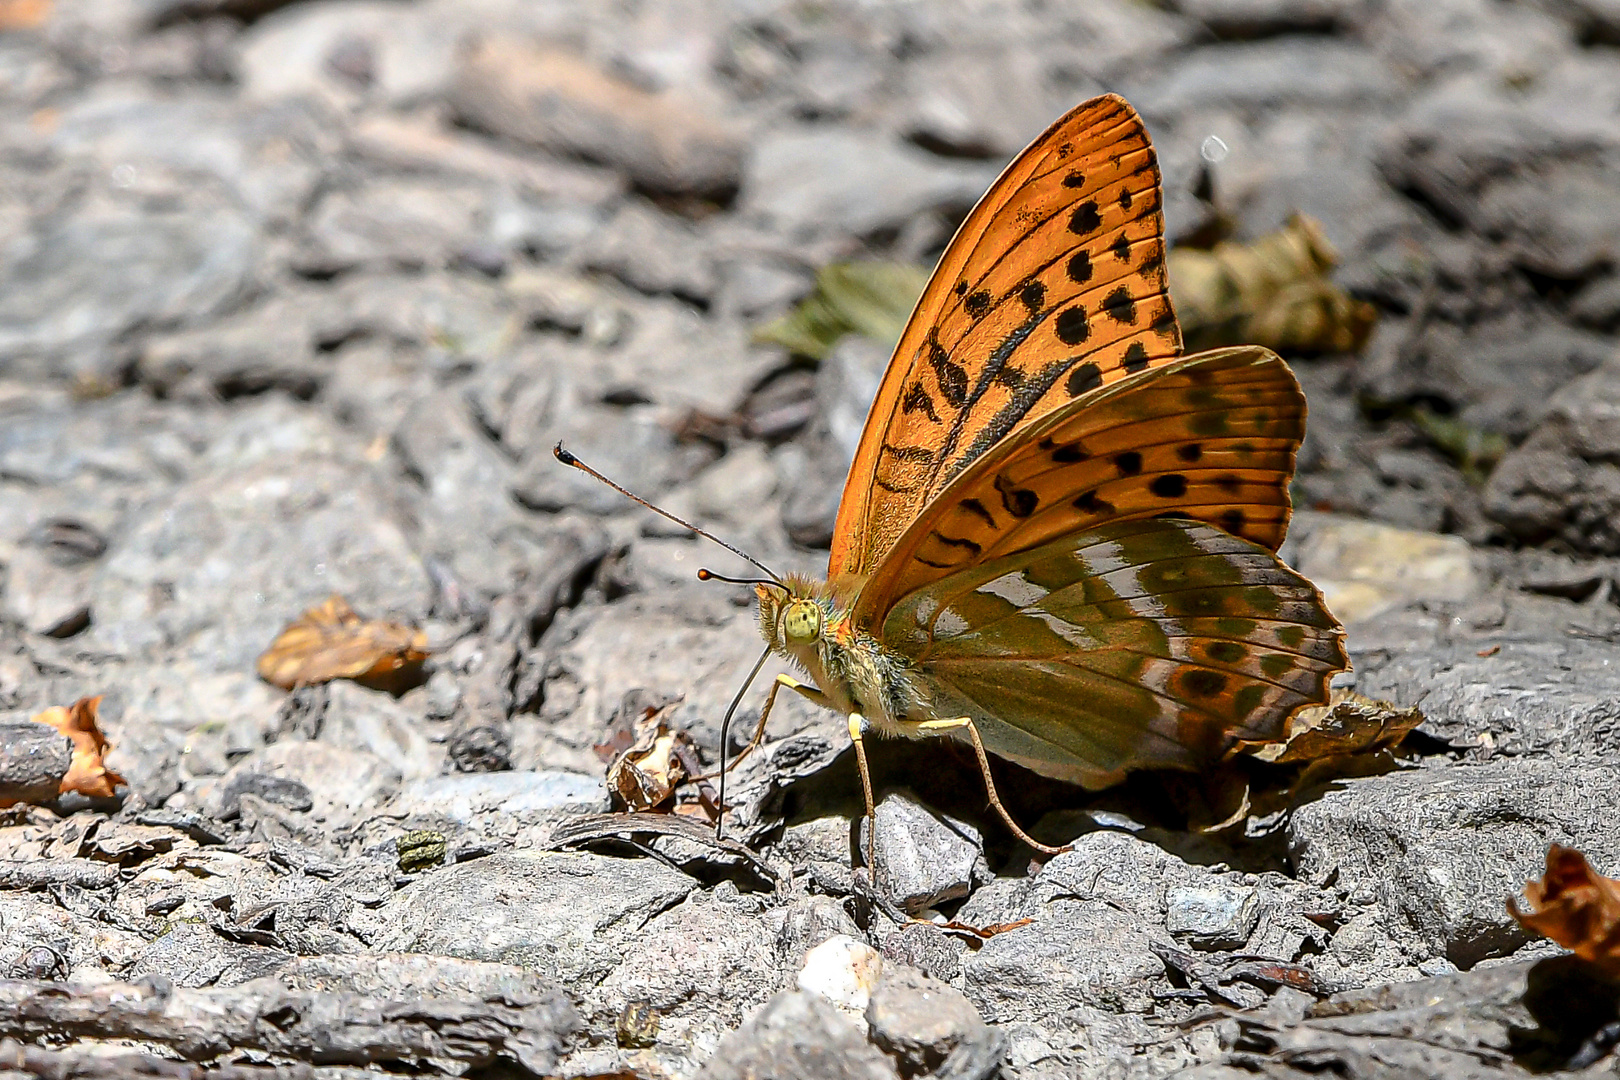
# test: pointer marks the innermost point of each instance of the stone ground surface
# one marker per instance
(295, 299)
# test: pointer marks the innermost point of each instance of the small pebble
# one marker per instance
(844, 971)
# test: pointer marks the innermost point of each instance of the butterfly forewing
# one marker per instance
(1211, 437)
(1151, 643)
(1055, 285)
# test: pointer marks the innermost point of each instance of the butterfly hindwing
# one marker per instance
(1211, 437)
(1053, 286)
(1150, 643)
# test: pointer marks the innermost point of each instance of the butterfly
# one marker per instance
(1057, 541)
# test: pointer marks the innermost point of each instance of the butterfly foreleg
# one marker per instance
(805, 690)
(943, 727)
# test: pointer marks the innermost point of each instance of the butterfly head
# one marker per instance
(791, 615)
(801, 622)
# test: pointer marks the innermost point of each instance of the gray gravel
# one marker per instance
(295, 299)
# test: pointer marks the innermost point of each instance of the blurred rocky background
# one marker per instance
(295, 300)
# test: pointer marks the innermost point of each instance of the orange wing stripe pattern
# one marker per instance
(1212, 437)
(1053, 287)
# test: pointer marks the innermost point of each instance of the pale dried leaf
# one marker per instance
(1271, 292)
(332, 642)
(646, 774)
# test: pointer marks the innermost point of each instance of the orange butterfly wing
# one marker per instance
(1053, 286)
(1210, 437)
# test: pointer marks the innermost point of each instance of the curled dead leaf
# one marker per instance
(646, 775)
(657, 762)
(1350, 736)
(333, 642)
(1273, 292)
(1348, 724)
(88, 775)
(1575, 906)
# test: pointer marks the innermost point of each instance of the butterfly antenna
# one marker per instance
(569, 459)
(725, 737)
(705, 574)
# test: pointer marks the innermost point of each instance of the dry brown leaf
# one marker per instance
(332, 642)
(983, 933)
(1271, 292)
(1348, 724)
(1576, 907)
(24, 14)
(646, 775)
(88, 775)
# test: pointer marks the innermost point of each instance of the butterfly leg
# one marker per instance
(858, 726)
(804, 690)
(940, 727)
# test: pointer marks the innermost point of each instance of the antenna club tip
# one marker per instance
(704, 574)
(563, 455)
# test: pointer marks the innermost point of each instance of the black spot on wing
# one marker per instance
(1071, 325)
(952, 377)
(1070, 455)
(1120, 306)
(1085, 220)
(1136, 357)
(1033, 294)
(963, 542)
(1129, 463)
(977, 303)
(1083, 378)
(1019, 502)
(1121, 247)
(1189, 452)
(1124, 198)
(1093, 505)
(1203, 683)
(1164, 323)
(974, 506)
(1074, 179)
(908, 453)
(1079, 268)
(1233, 520)
(1169, 486)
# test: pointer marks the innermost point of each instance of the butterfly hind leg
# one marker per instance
(943, 727)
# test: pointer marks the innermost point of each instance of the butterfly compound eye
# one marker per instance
(801, 622)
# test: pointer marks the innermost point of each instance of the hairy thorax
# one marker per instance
(848, 665)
